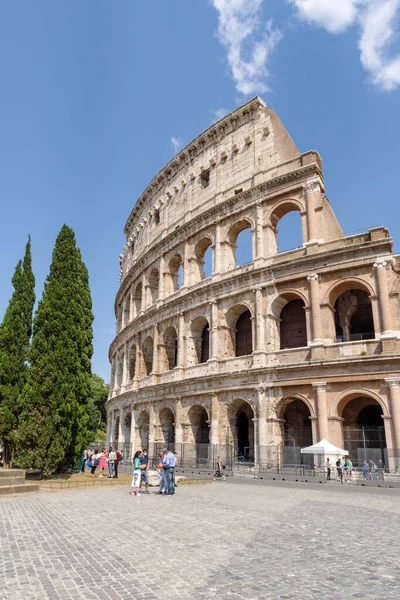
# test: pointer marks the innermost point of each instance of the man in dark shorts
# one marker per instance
(144, 460)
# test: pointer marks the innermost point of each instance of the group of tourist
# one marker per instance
(165, 467)
(344, 469)
(106, 461)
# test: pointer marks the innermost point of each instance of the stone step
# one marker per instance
(19, 488)
(12, 473)
(18, 480)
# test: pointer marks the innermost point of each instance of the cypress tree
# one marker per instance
(15, 333)
(55, 426)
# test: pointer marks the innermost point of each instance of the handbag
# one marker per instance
(89, 464)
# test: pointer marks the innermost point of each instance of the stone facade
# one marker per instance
(256, 360)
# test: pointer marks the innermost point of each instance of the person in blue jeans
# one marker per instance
(144, 461)
(169, 462)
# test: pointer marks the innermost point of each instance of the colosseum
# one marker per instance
(252, 354)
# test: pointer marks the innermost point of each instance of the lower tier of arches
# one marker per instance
(266, 426)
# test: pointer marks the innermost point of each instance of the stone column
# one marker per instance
(271, 242)
(125, 368)
(394, 397)
(186, 274)
(161, 290)
(155, 368)
(321, 409)
(381, 268)
(181, 342)
(260, 422)
(131, 305)
(214, 437)
(123, 321)
(121, 436)
(259, 350)
(138, 359)
(132, 438)
(143, 305)
(214, 336)
(259, 233)
(112, 431)
(315, 308)
(217, 250)
(152, 429)
(113, 376)
(310, 193)
(178, 423)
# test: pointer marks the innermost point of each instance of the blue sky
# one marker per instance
(96, 96)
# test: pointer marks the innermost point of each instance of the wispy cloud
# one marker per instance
(378, 32)
(239, 25)
(176, 143)
(377, 21)
(249, 41)
(220, 113)
(333, 15)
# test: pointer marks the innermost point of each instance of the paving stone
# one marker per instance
(221, 541)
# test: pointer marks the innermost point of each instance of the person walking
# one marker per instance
(95, 460)
(339, 467)
(112, 457)
(169, 462)
(328, 469)
(365, 469)
(144, 461)
(348, 469)
(162, 474)
(137, 473)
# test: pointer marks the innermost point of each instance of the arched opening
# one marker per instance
(293, 328)
(240, 250)
(154, 281)
(144, 426)
(175, 274)
(171, 347)
(204, 260)
(201, 339)
(167, 434)
(137, 299)
(241, 420)
(120, 369)
(148, 346)
(296, 431)
(243, 337)
(288, 232)
(132, 361)
(353, 317)
(126, 310)
(364, 430)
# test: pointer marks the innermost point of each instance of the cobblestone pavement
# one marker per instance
(221, 541)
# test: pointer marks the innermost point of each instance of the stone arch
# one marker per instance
(154, 285)
(239, 340)
(170, 348)
(200, 335)
(174, 274)
(143, 425)
(132, 361)
(167, 426)
(147, 350)
(339, 287)
(363, 426)
(338, 404)
(199, 424)
(137, 299)
(278, 212)
(234, 245)
(288, 328)
(241, 414)
(203, 247)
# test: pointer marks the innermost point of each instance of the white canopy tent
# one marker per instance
(326, 448)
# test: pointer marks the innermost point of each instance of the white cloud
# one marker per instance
(333, 15)
(377, 20)
(378, 24)
(176, 143)
(249, 44)
(220, 113)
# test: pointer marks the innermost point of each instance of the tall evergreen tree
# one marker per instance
(15, 333)
(55, 425)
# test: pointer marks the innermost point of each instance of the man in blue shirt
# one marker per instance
(169, 462)
(144, 460)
